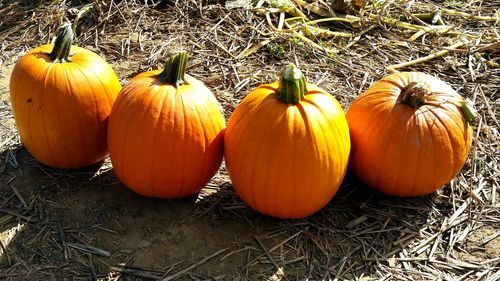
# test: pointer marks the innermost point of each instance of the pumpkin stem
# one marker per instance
(174, 70)
(292, 84)
(62, 45)
(414, 94)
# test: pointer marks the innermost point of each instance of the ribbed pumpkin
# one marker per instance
(409, 134)
(61, 98)
(287, 147)
(166, 132)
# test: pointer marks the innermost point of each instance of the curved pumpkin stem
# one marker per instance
(414, 94)
(175, 70)
(62, 45)
(292, 84)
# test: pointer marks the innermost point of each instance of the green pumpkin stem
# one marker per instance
(292, 85)
(414, 94)
(62, 45)
(175, 70)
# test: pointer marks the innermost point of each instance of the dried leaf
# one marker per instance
(469, 111)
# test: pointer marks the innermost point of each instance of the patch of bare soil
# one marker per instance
(85, 225)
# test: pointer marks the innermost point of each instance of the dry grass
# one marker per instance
(81, 225)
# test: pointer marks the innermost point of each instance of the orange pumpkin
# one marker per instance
(166, 132)
(61, 98)
(287, 146)
(409, 134)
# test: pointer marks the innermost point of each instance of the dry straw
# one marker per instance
(84, 225)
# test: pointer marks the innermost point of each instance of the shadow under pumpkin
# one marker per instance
(85, 224)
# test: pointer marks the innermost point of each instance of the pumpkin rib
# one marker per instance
(48, 147)
(129, 156)
(237, 138)
(320, 124)
(325, 125)
(165, 160)
(409, 130)
(157, 162)
(302, 131)
(57, 106)
(207, 127)
(89, 63)
(366, 157)
(445, 127)
(118, 109)
(154, 149)
(379, 113)
(305, 132)
(287, 122)
(312, 197)
(449, 140)
(309, 135)
(158, 95)
(55, 118)
(450, 137)
(245, 126)
(262, 203)
(272, 134)
(398, 84)
(203, 142)
(454, 110)
(281, 123)
(423, 126)
(118, 164)
(289, 119)
(96, 106)
(102, 87)
(372, 137)
(376, 95)
(420, 130)
(30, 137)
(332, 144)
(185, 130)
(394, 80)
(229, 157)
(293, 207)
(392, 126)
(340, 131)
(442, 128)
(186, 133)
(389, 127)
(15, 100)
(177, 109)
(431, 166)
(384, 156)
(240, 154)
(41, 144)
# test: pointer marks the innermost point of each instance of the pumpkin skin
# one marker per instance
(406, 150)
(287, 159)
(61, 108)
(165, 140)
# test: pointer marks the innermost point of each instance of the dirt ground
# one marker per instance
(85, 225)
